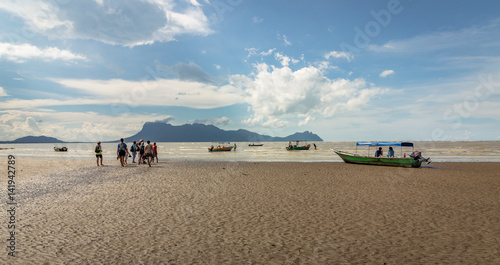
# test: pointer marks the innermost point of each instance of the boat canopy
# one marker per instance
(385, 144)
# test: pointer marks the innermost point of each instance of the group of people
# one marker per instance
(144, 152)
(380, 152)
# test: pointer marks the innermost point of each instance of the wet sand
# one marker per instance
(255, 213)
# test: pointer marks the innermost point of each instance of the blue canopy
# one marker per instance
(385, 144)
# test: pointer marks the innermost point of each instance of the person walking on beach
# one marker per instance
(140, 149)
(98, 152)
(155, 152)
(148, 152)
(134, 152)
(121, 152)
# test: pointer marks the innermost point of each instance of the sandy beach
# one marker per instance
(73, 212)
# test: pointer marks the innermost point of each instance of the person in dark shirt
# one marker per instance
(379, 152)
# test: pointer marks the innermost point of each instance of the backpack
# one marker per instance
(97, 149)
(132, 148)
(122, 146)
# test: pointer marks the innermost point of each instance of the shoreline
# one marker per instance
(257, 212)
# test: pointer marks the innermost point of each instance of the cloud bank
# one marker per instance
(116, 22)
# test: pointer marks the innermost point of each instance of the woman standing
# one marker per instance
(141, 151)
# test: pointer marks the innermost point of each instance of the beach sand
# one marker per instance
(74, 212)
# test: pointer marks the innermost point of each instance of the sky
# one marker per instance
(387, 70)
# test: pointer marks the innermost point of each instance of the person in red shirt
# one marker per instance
(155, 152)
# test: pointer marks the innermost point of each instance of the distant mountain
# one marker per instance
(34, 139)
(163, 132)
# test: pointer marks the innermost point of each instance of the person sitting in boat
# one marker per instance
(379, 152)
(390, 152)
(212, 148)
(290, 145)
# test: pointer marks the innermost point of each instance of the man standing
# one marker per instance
(122, 151)
(134, 152)
(98, 152)
(148, 152)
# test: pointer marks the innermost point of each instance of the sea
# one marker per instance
(449, 151)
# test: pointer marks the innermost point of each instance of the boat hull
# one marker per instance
(255, 144)
(63, 149)
(220, 149)
(298, 148)
(378, 161)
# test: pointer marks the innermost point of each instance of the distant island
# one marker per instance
(34, 140)
(164, 132)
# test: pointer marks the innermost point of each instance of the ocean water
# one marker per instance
(461, 151)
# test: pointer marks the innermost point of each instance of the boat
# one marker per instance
(60, 149)
(252, 144)
(297, 146)
(414, 160)
(221, 147)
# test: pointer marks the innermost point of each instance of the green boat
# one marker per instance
(414, 160)
(297, 146)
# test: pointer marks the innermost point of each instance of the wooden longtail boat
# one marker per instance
(297, 146)
(221, 147)
(414, 160)
(255, 144)
(60, 149)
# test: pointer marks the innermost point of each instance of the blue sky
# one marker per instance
(345, 70)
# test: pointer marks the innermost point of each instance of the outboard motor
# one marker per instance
(417, 155)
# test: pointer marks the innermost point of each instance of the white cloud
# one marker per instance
(217, 66)
(285, 60)
(214, 121)
(269, 52)
(279, 95)
(386, 73)
(467, 37)
(112, 22)
(78, 126)
(336, 54)
(2, 92)
(284, 39)
(22, 52)
(257, 20)
(251, 51)
(158, 92)
(39, 15)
